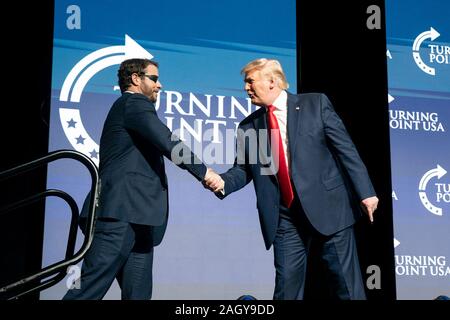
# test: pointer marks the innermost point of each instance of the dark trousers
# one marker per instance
(297, 242)
(119, 250)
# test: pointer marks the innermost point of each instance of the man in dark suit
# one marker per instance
(133, 205)
(305, 192)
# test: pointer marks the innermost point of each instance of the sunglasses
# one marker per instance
(152, 77)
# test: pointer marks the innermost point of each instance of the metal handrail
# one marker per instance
(22, 287)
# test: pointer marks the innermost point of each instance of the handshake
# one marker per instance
(213, 181)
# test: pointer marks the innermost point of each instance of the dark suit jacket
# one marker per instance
(325, 167)
(133, 179)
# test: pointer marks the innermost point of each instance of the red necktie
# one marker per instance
(283, 175)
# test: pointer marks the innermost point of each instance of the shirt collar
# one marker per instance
(280, 103)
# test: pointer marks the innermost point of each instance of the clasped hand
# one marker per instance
(213, 181)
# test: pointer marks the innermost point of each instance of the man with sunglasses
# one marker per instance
(133, 205)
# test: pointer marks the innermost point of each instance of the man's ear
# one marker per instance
(135, 79)
(272, 83)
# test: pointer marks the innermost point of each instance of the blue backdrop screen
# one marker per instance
(212, 249)
(418, 42)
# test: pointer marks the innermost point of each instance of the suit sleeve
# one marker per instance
(345, 150)
(239, 175)
(141, 118)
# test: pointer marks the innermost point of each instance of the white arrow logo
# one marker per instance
(108, 56)
(396, 243)
(390, 98)
(438, 172)
(76, 81)
(431, 34)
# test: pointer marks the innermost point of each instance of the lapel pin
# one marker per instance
(297, 108)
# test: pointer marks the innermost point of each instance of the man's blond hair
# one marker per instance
(270, 69)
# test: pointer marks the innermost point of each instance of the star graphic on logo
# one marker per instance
(80, 139)
(71, 123)
(94, 154)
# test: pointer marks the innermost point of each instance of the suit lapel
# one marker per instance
(293, 125)
(293, 121)
(260, 123)
(265, 159)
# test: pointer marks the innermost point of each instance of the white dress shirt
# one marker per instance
(280, 113)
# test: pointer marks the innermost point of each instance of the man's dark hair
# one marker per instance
(130, 66)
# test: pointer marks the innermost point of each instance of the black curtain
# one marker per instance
(26, 72)
(340, 56)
